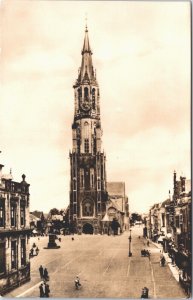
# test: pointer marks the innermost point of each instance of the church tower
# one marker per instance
(88, 194)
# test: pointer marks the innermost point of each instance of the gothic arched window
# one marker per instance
(79, 95)
(87, 208)
(86, 93)
(86, 130)
(93, 98)
(86, 145)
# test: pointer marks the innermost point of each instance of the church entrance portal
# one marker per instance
(87, 228)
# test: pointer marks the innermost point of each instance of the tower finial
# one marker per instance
(86, 29)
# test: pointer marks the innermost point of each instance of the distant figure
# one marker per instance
(72, 239)
(147, 243)
(46, 277)
(37, 251)
(47, 290)
(41, 270)
(77, 282)
(139, 236)
(144, 293)
(162, 261)
(41, 290)
(173, 259)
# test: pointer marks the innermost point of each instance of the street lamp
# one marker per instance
(130, 253)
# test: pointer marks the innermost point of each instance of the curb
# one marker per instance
(173, 268)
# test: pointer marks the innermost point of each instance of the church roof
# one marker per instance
(117, 204)
(116, 189)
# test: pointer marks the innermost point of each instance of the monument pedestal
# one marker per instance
(52, 244)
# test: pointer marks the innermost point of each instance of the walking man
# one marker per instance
(41, 290)
(46, 277)
(47, 290)
(41, 270)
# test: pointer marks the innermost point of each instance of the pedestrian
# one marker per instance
(147, 243)
(37, 251)
(72, 239)
(173, 259)
(47, 290)
(77, 282)
(46, 277)
(41, 290)
(144, 293)
(41, 270)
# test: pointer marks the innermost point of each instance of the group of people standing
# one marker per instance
(43, 273)
(44, 290)
(44, 287)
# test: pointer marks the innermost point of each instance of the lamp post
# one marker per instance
(130, 253)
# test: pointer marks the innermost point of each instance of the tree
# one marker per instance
(135, 217)
(54, 211)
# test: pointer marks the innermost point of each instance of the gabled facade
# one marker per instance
(88, 194)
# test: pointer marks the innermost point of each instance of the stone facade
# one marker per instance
(14, 233)
(88, 193)
(118, 206)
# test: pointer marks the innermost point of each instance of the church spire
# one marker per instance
(86, 70)
(86, 45)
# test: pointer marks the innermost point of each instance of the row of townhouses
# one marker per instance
(169, 223)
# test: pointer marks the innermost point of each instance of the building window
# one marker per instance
(163, 220)
(2, 213)
(98, 184)
(86, 93)
(2, 258)
(23, 252)
(86, 130)
(13, 215)
(22, 215)
(86, 145)
(88, 209)
(74, 184)
(13, 255)
(82, 181)
(92, 181)
(74, 208)
(79, 95)
(93, 98)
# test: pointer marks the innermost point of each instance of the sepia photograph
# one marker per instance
(95, 149)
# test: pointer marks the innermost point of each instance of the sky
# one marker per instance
(141, 51)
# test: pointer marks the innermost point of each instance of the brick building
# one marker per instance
(14, 232)
(88, 195)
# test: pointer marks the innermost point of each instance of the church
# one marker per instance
(88, 184)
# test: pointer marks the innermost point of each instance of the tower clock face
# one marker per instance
(85, 105)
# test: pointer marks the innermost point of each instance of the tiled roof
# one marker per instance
(116, 188)
(37, 213)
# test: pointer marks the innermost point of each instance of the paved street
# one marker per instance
(104, 268)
